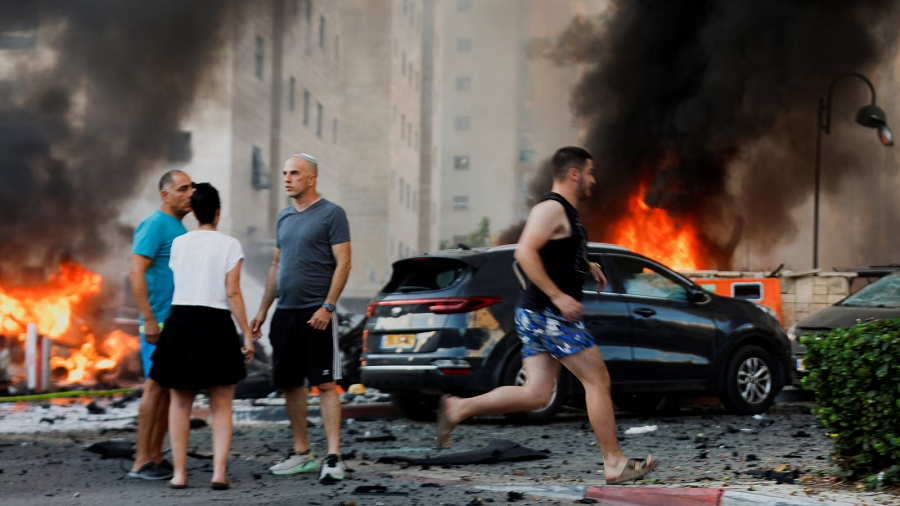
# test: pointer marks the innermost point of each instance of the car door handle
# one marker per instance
(645, 312)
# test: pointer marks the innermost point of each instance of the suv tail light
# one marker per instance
(447, 305)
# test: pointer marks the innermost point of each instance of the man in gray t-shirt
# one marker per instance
(308, 273)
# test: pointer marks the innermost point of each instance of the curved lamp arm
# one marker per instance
(825, 108)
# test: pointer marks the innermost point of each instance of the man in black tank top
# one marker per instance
(552, 252)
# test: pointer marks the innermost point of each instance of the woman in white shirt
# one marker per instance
(199, 348)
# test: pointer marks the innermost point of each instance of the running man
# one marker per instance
(552, 252)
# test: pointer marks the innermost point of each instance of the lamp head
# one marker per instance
(871, 116)
(885, 135)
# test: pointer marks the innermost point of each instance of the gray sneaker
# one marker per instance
(295, 464)
(332, 469)
(151, 471)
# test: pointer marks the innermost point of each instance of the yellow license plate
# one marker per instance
(398, 340)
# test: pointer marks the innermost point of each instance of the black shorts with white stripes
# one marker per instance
(300, 352)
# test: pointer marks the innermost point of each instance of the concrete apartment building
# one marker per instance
(504, 108)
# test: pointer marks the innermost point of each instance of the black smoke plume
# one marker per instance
(712, 104)
(99, 88)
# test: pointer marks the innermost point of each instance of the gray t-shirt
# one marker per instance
(307, 263)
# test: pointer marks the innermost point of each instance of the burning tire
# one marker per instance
(751, 381)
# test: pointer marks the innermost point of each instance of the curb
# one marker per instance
(649, 496)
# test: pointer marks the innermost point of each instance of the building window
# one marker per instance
(306, 107)
(462, 123)
(410, 73)
(460, 202)
(412, 13)
(334, 130)
(409, 135)
(292, 87)
(403, 63)
(309, 9)
(319, 113)
(322, 32)
(463, 83)
(405, 6)
(337, 47)
(463, 5)
(461, 162)
(415, 201)
(180, 147)
(416, 83)
(527, 155)
(407, 195)
(463, 45)
(259, 177)
(401, 189)
(260, 56)
(295, 7)
(402, 127)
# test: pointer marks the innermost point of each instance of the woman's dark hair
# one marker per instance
(566, 158)
(205, 202)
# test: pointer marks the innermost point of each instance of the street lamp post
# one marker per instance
(870, 116)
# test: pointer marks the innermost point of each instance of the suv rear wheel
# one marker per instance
(750, 381)
(514, 374)
(416, 407)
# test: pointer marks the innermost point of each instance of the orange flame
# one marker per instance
(87, 361)
(49, 306)
(654, 233)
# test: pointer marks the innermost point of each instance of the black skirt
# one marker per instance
(198, 348)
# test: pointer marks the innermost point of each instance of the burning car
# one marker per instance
(444, 323)
(74, 339)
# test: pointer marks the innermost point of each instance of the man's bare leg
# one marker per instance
(541, 371)
(160, 426)
(331, 416)
(296, 408)
(590, 369)
(148, 416)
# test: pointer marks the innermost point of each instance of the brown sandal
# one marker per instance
(443, 425)
(634, 472)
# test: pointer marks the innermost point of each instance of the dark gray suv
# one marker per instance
(444, 323)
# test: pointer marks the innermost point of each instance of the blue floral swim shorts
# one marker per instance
(548, 332)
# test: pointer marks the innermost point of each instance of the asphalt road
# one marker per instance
(695, 446)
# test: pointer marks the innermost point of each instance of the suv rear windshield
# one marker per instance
(883, 293)
(424, 274)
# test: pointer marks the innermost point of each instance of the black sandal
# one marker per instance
(219, 485)
(175, 486)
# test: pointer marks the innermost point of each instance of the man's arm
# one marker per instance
(341, 253)
(543, 222)
(137, 276)
(268, 295)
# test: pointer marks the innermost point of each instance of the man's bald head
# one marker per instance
(300, 173)
(307, 161)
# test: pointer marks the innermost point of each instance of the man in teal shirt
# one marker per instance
(153, 286)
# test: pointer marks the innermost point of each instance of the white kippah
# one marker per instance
(308, 157)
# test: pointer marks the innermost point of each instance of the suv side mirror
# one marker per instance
(700, 297)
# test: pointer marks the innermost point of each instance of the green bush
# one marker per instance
(855, 374)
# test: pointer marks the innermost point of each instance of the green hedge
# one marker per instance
(855, 374)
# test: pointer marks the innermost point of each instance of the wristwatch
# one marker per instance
(328, 307)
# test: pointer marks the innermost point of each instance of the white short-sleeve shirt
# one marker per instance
(200, 260)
